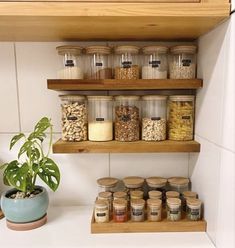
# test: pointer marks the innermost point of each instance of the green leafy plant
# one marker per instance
(32, 161)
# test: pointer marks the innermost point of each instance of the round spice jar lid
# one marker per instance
(155, 194)
(100, 98)
(182, 98)
(98, 49)
(155, 49)
(173, 202)
(107, 182)
(72, 98)
(156, 182)
(74, 50)
(191, 202)
(127, 49)
(101, 203)
(137, 194)
(105, 195)
(184, 49)
(178, 181)
(154, 202)
(189, 194)
(138, 202)
(120, 203)
(119, 194)
(133, 182)
(172, 194)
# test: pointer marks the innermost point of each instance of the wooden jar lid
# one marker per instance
(133, 182)
(173, 202)
(107, 181)
(178, 181)
(172, 194)
(156, 182)
(194, 202)
(106, 194)
(137, 202)
(154, 202)
(155, 194)
(137, 194)
(119, 194)
(98, 49)
(189, 194)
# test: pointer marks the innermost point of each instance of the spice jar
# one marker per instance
(137, 210)
(74, 117)
(155, 194)
(154, 118)
(72, 62)
(99, 62)
(181, 117)
(187, 195)
(120, 210)
(172, 194)
(126, 62)
(154, 210)
(135, 195)
(179, 184)
(119, 195)
(107, 184)
(183, 62)
(101, 211)
(106, 196)
(194, 209)
(155, 62)
(127, 118)
(100, 123)
(173, 209)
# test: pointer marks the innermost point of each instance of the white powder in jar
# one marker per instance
(149, 72)
(100, 130)
(70, 72)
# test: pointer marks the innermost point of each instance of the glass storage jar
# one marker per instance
(154, 210)
(101, 211)
(120, 210)
(154, 118)
(127, 118)
(107, 196)
(74, 117)
(72, 62)
(100, 122)
(155, 194)
(133, 184)
(99, 62)
(119, 195)
(107, 184)
(137, 210)
(173, 209)
(181, 117)
(187, 195)
(126, 62)
(194, 209)
(183, 62)
(155, 62)
(157, 183)
(179, 184)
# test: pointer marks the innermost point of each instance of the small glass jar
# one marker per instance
(72, 62)
(74, 118)
(100, 121)
(181, 117)
(154, 210)
(119, 195)
(194, 209)
(107, 196)
(155, 62)
(120, 210)
(126, 62)
(173, 209)
(137, 210)
(127, 118)
(183, 62)
(187, 195)
(135, 195)
(179, 184)
(172, 194)
(101, 211)
(155, 194)
(154, 118)
(107, 184)
(98, 62)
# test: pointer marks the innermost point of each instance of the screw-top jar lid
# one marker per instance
(105, 194)
(127, 49)
(124, 98)
(182, 98)
(120, 203)
(156, 182)
(133, 182)
(101, 203)
(191, 202)
(74, 50)
(189, 194)
(99, 98)
(155, 194)
(155, 49)
(154, 97)
(154, 202)
(137, 202)
(172, 194)
(137, 194)
(107, 181)
(178, 181)
(72, 98)
(98, 49)
(184, 49)
(119, 194)
(173, 202)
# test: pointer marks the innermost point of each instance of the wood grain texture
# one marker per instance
(125, 147)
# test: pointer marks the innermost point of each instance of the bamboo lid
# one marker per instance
(184, 49)
(107, 181)
(189, 194)
(191, 202)
(178, 181)
(137, 194)
(105, 195)
(127, 49)
(119, 194)
(98, 49)
(137, 202)
(173, 202)
(101, 203)
(154, 97)
(182, 98)
(74, 50)
(155, 49)
(72, 98)
(99, 98)
(155, 194)
(119, 203)
(133, 182)
(156, 182)
(172, 194)
(154, 202)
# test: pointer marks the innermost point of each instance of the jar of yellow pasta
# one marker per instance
(181, 117)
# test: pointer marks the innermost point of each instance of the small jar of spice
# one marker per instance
(106, 196)
(120, 210)
(187, 195)
(101, 211)
(154, 209)
(137, 210)
(173, 209)
(194, 209)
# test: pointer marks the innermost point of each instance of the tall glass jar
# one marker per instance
(100, 122)
(126, 62)
(155, 62)
(72, 62)
(181, 117)
(99, 64)
(127, 118)
(183, 62)
(154, 118)
(74, 117)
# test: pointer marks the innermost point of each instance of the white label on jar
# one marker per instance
(155, 63)
(186, 62)
(126, 64)
(69, 62)
(99, 119)
(137, 212)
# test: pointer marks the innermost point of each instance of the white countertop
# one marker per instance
(70, 227)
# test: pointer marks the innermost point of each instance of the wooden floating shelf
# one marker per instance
(125, 147)
(114, 84)
(183, 225)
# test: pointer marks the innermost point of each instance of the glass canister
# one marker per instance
(99, 64)
(187, 195)
(120, 210)
(127, 118)
(194, 209)
(173, 209)
(181, 117)
(119, 195)
(179, 184)
(183, 62)
(154, 210)
(72, 62)
(137, 210)
(157, 183)
(154, 118)
(100, 118)
(126, 62)
(101, 211)
(133, 184)
(107, 184)
(74, 117)
(155, 62)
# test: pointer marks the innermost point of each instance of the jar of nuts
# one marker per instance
(126, 62)
(74, 118)
(183, 62)
(181, 117)
(154, 118)
(127, 118)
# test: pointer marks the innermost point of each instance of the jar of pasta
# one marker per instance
(173, 209)
(194, 209)
(181, 117)
(107, 184)
(154, 210)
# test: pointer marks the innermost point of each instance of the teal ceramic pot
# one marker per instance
(25, 210)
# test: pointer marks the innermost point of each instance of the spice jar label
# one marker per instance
(72, 118)
(174, 211)
(99, 119)
(186, 62)
(69, 62)
(126, 64)
(137, 212)
(154, 213)
(155, 63)
(155, 118)
(98, 64)
(101, 214)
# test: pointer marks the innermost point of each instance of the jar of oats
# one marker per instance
(153, 118)
(183, 62)
(74, 117)
(126, 62)
(181, 117)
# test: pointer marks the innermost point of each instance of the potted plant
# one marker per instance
(25, 206)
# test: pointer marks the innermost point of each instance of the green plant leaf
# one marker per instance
(42, 125)
(49, 173)
(3, 166)
(26, 147)
(33, 154)
(37, 135)
(15, 139)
